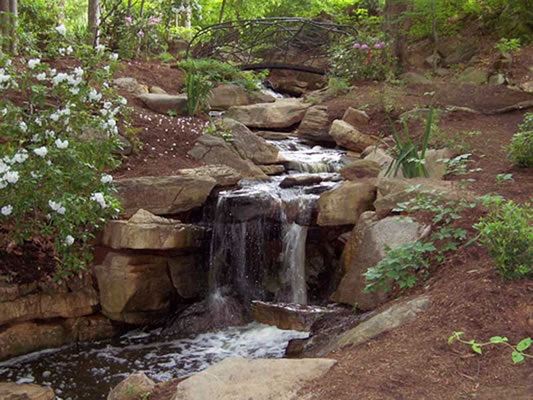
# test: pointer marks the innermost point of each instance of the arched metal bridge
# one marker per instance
(270, 43)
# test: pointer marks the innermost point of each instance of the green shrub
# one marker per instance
(53, 185)
(216, 71)
(507, 231)
(399, 265)
(337, 86)
(520, 151)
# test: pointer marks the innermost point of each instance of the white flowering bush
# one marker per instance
(58, 130)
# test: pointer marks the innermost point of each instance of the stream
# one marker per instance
(245, 219)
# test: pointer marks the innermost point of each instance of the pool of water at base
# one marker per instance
(88, 371)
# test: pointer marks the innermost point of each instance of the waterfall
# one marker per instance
(294, 240)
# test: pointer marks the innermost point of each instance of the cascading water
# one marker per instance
(258, 251)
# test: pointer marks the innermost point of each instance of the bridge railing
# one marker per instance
(269, 41)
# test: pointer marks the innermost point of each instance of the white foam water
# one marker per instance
(88, 371)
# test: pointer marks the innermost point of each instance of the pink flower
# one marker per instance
(140, 33)
(357, 46)
(129, 20)
(364, 47)
(378, 46)
(154, 20)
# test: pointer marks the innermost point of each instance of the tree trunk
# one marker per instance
(94, 20)
(61, 5)
(141, 12)
(13, 8)
(4, 23)
(397, 25)
(221, 15)
(128, 12)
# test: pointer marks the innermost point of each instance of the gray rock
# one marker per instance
(300, 180)
(315, 125)
(344, 205)
(497, 79)
(347, 136)
(473, 76)
(355, 118)
(130, 85)
(248, 145)
(133, 387)
(283, 113)
(240, 379)
(364, 249)
(227, 95)
(163, 103)
(212, 149)
(396, 315)
(163, 195)
(414, 78)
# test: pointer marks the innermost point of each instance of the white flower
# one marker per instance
(94, 95)
(59, 78)
(41, 76)
(33, 62)
(78, 71)
(69, 50)
(35, 138)
(2, 184)
(23, 127)
(41, 151)
(74, 80)
(107, 105)
(61, 29)
(50, 133)
(103, 111)
(4, 112)
(54, 117)
(100, 48)
(21, 156)
(113, 56)
(57, 207)
(111, 123)
(11, 177)
(69, 240)
(123, 100)
(38, 121)
(106, 179)
(99, 198)
(3, 167)
(7, 210)
(74, 90)
(106, 68)
(61, 144)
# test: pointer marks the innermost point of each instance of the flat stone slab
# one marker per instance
(12, 391)
(296, 317)
(241, 379)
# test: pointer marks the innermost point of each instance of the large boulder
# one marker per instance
(212, 149)
(392, 191)
(355, 117)
(377, 155)
(344, 204)
(163, 103)
(347, 136)
(130, 85)
(248, 145)
(145, 231)
(473, 76)
(393, 317)
(13, 391)
(241, 379)
(296, 317)
(163, 194)
(189, 280)
(46, 306)
(135, 289)
(315, 125)
(364, 249)
(283, 113)
(133, 387)
(360, 169)
(222, 174)
(24, 337)
(227, 95)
